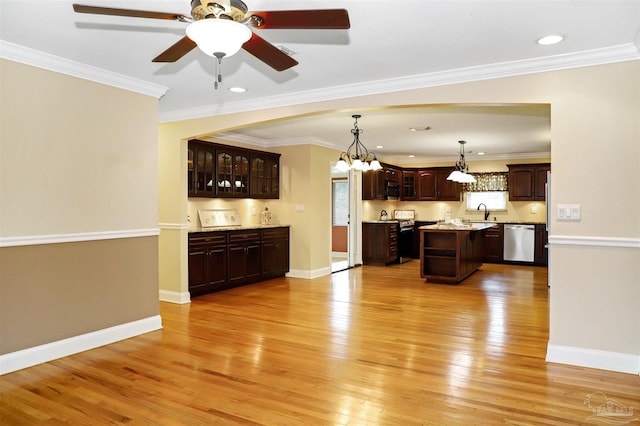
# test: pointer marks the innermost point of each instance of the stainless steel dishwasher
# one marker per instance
(519, 242)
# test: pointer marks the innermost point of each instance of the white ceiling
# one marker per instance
(391, 45)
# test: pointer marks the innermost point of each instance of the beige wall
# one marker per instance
(69, 148)
(78, 163)
(595, 131)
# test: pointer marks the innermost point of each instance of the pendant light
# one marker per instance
(461, 173)
(357, 156)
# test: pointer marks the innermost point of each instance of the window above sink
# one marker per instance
(494, 200)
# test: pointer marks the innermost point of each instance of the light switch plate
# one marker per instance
(569, 212)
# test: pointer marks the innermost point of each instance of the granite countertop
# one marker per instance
(381, 221)
(502, 222)
(466, 226)
(235, 228)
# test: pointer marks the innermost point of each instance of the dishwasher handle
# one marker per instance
(516, 226)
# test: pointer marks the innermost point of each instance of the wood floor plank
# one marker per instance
(371, 345)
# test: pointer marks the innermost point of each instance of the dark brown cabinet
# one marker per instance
(373, 185)
(449, 256)
(207, 263)
(275, 252)
(429, 185)
(379, 243)
(216, 170)
(527, 181)
(447, 190)
(409, 185)
(493, 244)
(265, 176)
(232, 173)
(374, 182)
(416, 236)
(200, 169)
(245, 256)
(224, 259)
(541, 252)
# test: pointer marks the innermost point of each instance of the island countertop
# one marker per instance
(465, 226)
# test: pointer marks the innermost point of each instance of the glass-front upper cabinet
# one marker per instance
(224, 173)
(232, 173)
(216, 170)
(200, 169)
(265, 176)
(241, 174)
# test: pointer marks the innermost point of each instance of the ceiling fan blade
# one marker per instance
(300, 19)
(79, 8)
(177, 51)
(268, 53)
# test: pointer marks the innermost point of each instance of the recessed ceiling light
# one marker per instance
(237, 89)
(481, 153)
(411, 156)
(379, 146)
(550, 39)
(416, 129)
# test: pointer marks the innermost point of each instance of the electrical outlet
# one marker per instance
(569, 212)
(253, 211)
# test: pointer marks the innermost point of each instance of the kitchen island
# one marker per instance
(449, 253)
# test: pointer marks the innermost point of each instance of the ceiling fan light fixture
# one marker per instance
(218, 37)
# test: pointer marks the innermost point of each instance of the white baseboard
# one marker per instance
(592, 358)
(309, 274)
(48, 352)
(175, 296)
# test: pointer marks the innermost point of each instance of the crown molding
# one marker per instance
(418, 159)
(271, 143)
(27, 56)
(620, 53)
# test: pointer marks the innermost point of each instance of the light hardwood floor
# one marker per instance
(366, 346)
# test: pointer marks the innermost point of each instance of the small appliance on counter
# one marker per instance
(214, 218)
(384, 215)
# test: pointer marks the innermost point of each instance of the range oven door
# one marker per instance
(405, 245)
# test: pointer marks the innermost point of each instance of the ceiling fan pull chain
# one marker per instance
(219, 57)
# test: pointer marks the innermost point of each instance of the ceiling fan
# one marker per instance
(222, 27)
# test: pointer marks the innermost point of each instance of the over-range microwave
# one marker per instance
(391, 191)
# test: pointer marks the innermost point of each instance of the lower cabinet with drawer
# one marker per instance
(379, 243)
(207, 262)
(220, 260)
(245, 257)
(493, 244)
(275, 252)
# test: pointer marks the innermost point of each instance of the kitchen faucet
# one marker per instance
(486, 210)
